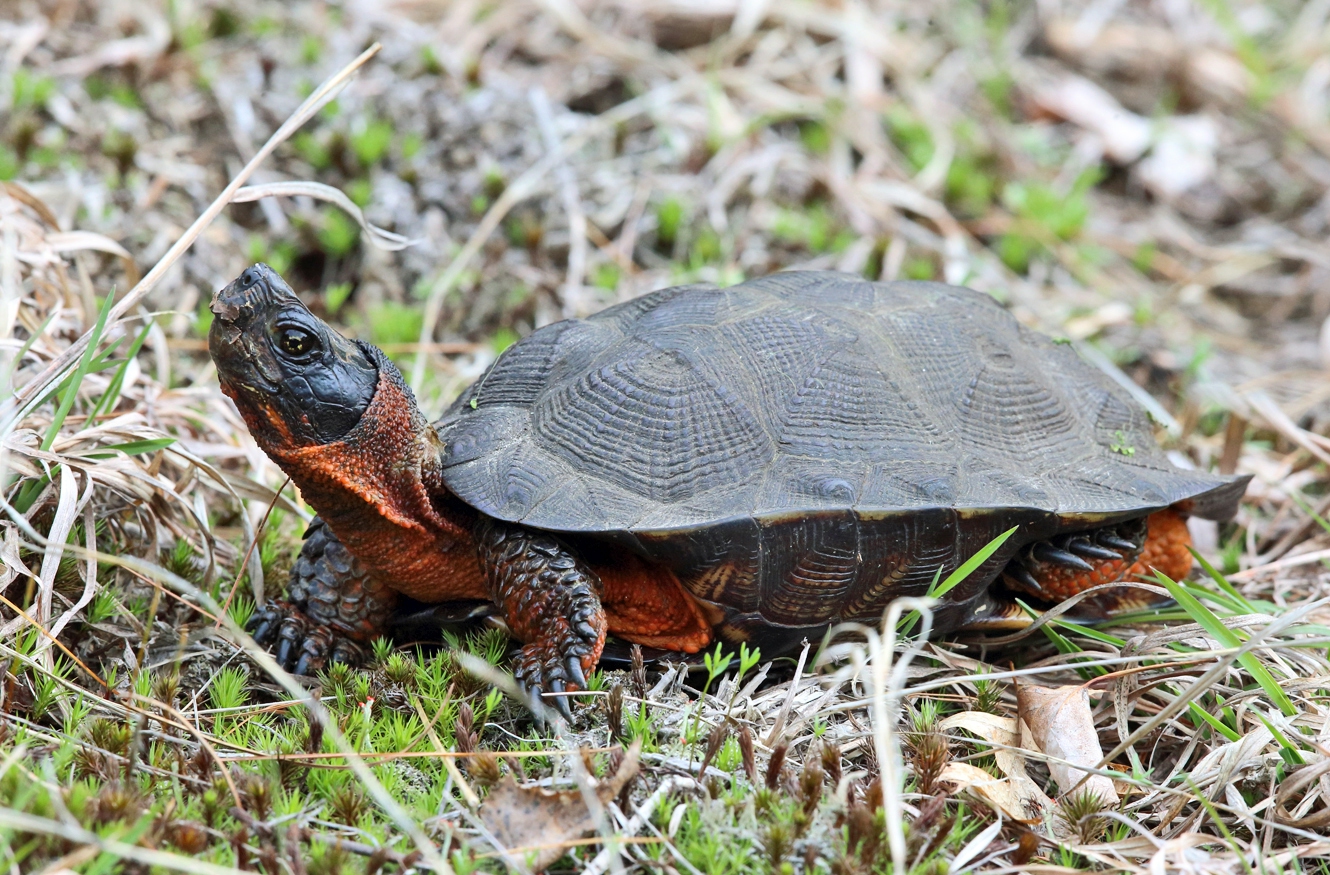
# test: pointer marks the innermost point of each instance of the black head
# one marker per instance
(296, 381)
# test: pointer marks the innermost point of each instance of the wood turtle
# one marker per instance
(755, 463)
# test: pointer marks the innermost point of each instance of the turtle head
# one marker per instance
(335, 415)
(296, 381)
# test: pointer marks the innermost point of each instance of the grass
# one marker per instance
(149, 737)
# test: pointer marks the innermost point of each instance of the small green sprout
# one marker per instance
(372, 141)
(335, 296)
(1121, 446)
(339, 233)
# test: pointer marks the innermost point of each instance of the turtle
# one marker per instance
(755, 463)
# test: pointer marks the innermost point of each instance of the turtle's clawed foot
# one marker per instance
(559, 666)
(301, 646)
(551, 600)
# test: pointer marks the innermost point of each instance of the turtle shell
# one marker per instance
(800, 445)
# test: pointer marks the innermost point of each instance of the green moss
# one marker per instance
(9, 163)
(339, 233)
(360, 191)
(502, 339)
(391, 322)
(919, 269)
(370, 142)
(669, 216)
(311, 47)
(30, 90)
(312, 149)
(910, 136)
(411, 144)
(1044, 213)
(429, 62)
(814, 228)
(335, 296)
(998, 89)
(815, 136)
(606, 275)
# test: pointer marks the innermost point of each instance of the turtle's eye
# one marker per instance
(297, 342)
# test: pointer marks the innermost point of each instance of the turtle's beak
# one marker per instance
(237, 338)
(257, 290)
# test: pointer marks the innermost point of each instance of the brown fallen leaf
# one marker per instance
(997, 793)
(1017, 795)
(1061, 723)
(534, 826)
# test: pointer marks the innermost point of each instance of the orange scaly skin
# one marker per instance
(372, 490)
(1165, 550)
(646, 604)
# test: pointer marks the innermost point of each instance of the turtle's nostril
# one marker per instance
(251, 277)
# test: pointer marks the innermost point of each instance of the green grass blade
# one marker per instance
(1222, 582)
(131, 448)
(72, 390)
(1090, 632)
(1228, 638)
(970, 565)
(1288, 750)
(112, 395)
(938, 590)
(1213, 722)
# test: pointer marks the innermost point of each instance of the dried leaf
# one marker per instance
(1002, 733)
(997, 793)
(1125, 134)
(1183, 156)
(1061, 723)
(535, 825)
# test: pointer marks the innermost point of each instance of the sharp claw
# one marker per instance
(560, 703)
(1022, 576)
(1109, 539)
(1082, 547)
(262, 630)
(586, 630)
(302, 664)
(284, 653)
(573, 665)
(1048, 553)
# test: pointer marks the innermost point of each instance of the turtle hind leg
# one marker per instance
(334, 607)
(550, 600)
(1063, 566)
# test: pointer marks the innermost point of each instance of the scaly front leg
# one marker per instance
(335, 607)
(551, 602)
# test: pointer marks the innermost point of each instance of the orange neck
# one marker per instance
(380, 492)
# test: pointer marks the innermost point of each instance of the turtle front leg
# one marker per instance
(335, 606)
(551, 602)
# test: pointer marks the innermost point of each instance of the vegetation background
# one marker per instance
(1147, 179)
